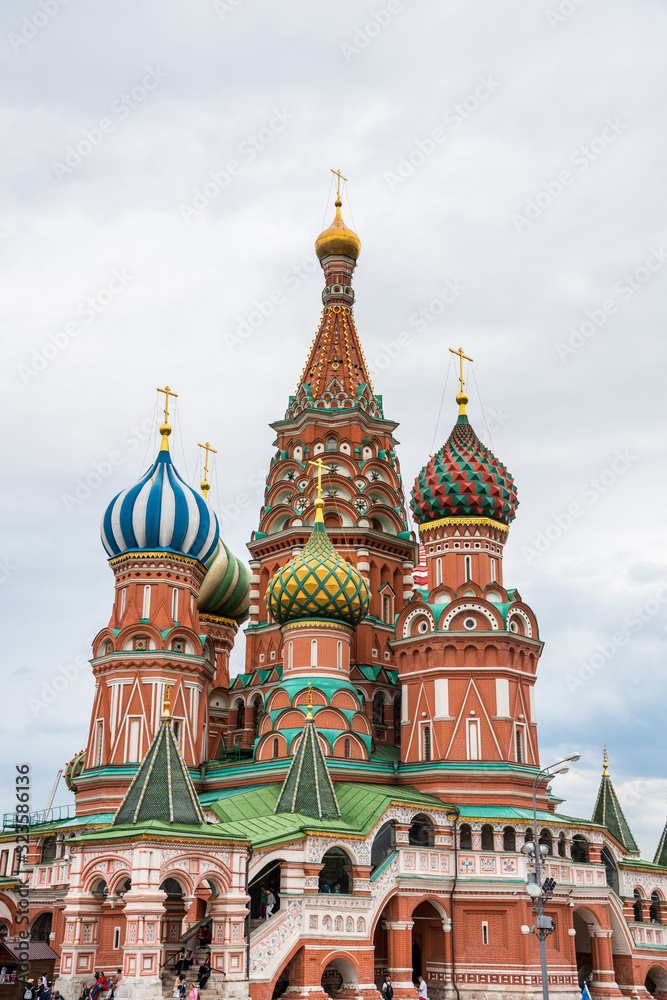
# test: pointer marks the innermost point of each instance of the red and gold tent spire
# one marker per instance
(336, 375)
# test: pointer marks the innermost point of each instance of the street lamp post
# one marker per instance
(538, 890)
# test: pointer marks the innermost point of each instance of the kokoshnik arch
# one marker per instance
(374, 763)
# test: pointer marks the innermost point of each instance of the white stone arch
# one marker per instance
(419, 611)
(169, 870)
(520, 613)
(449, 616)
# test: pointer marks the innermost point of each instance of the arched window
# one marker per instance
(421, 831)
(397, 720)
(426, 743)
(147, 602)
(100, 744)
(509, 839)
(378, 709)
(174, 604)
(276, 747)
(256, 715)
(41, 929)
(518, 733)
(610, 868)
(339, 655)
(579, 849)
(487, 837)
(493, 569)
(465, 837)
(49, 849)
(240, 714)
(336, 871)
(290, 662)
(468, 564)
(347, 749)
(123, 595)
(638, 909)
(438, 571)
(654, 909)
(313, 652)
(562, 851)
(383, 844)
(386, 608)
(547, 840)
(331, 444)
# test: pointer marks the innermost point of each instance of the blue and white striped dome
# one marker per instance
(160, 512)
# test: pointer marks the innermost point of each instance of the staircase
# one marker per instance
(212, 988)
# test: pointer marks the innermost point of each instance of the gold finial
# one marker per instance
(165, 430)
(309, 716)
(605, 762)
(461, 396)
(205, 485)
(340, 177)
(319, 503)
(166, 714)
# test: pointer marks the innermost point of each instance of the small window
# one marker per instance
(487, 837)
(493, 570)
(273, 654)
(100, 744)
(638, 910)
(468, 562)
(519, 745)
(547, 840)
(174, 604)
(470, 624)
(276, 748)
(426, 743)
(178, 645)
(261, 657)
(146, 613)
(485, 932)
(123, 594)
(386, 608)
(290, 662)
(116, 938)
(313, 652)
(423, 626)
(465, 837)
(339, 655)
(331, 444)
(579, 849)
(654, 909)
(347, 749)
(509, 839)
(438, 571)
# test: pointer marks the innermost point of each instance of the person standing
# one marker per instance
(423, 991)
(387, 989)
(270, 903)
(263, 896)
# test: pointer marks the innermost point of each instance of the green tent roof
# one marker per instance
(308, 788)
(162, 788)
(608, 813)
(661, 854)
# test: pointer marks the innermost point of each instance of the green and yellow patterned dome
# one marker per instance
(318, 583)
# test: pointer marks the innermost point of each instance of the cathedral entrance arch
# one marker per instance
(429, 943)
(41, 928)
(267, 879)
(339, 974)
(174, 911)
(656, 981)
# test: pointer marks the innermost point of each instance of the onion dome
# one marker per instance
(225, 589)
(464, 479)
(338, 239)
(318, 583)
(160, 512)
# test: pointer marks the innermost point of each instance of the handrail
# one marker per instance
(385, 864)
(11, 820)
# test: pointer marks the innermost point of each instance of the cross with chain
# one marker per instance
(205, 485)
(340, 177)
(461, 357)
(319, 465)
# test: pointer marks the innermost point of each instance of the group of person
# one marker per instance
(182, 962)
(388, 989)
(42, 991)
(328, 888)
(267, 901)
(101, 985)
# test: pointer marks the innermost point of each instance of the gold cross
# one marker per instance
(167, 391)
(310, 702)
(340, 177)
(167, 691)
(205, 485)
(319, 464)
(461, 356)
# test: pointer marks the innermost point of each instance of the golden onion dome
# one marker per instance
(338, 239)
(318, 583)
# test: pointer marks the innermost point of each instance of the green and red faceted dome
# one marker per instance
(464, 479)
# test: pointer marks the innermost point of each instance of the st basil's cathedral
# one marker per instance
(371, 770)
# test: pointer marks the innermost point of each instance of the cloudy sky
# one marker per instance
(166, 170)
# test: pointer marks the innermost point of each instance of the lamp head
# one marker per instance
(533, 889)
(573, 756)
(528, 849)
(562, 770)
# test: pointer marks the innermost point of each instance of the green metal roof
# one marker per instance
(661, 853)
(162, 788)
(608, 813)
(308, 788)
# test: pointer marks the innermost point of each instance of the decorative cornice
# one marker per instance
(482, 521)
(322, 623)
(217, 620)
(140, 554)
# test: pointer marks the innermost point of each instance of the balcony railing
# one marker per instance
(12, 820)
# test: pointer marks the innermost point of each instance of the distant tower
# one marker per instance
(467, 648)
(160, 535)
